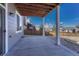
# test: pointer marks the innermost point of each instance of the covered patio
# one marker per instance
(41, 10)
(32, 45)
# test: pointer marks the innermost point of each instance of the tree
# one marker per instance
(41, 28)
(54, 28)
(77, 26)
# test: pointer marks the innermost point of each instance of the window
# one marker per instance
(18, 23)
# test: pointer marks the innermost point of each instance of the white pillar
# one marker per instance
(58, 25)
(43, 27)
(6, 20)
(23, 25)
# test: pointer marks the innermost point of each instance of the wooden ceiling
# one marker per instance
(35, 9)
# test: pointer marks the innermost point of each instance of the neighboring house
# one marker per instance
(77, 30)
(30, 26)
(69, 29)
(46, 27)
(26, 21)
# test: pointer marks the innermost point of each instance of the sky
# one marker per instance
(69, 15)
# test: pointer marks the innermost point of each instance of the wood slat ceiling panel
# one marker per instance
(35, 9)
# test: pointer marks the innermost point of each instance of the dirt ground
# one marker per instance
(71, 42)
(72, 38)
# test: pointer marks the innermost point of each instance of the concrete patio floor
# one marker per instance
(37, 46)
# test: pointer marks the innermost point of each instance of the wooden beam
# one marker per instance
(30, 14)
(42, 13)
(31, 11)
(48, 4)
(31, 7)
(35, 5)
